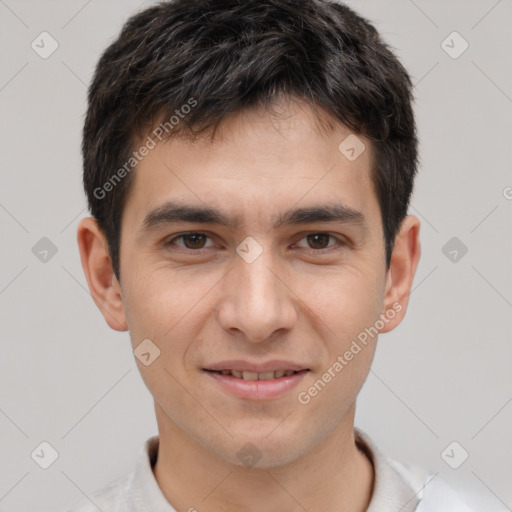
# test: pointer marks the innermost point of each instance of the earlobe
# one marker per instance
(404, 262)
(97, 265)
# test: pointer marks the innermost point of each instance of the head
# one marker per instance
(280, 136)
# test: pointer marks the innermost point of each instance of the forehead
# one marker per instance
(255, 163)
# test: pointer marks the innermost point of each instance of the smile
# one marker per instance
(255, 375)
(251, 385)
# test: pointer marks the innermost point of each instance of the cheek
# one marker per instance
(350, 311)
(165, 311)
(346, 301)
(347, 306)
(162, 302)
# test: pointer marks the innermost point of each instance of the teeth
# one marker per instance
(249, 375)
(257, 376)
(265, 376)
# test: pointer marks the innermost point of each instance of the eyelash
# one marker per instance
(339, 241)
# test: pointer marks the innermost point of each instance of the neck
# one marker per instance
(334, 475)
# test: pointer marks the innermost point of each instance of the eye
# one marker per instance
(191, 241)
(320, 241)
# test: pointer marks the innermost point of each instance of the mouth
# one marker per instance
(247, 375)
(249, 381)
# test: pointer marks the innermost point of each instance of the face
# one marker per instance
(282, 273)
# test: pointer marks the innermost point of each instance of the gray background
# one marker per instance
(442, 376)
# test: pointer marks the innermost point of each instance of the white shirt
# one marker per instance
(397, 487)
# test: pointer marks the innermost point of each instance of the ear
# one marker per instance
(400, 275)
(103, 284)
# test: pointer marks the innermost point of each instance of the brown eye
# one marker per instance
(192, 241)
(318, 240)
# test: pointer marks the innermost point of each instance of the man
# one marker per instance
(249, 166)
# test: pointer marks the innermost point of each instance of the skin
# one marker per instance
(303, 300)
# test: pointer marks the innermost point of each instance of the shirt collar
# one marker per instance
(146, 495)
(397, 487)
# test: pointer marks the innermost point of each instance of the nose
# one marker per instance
(256, 299)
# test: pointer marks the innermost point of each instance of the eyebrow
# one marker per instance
(173, 212)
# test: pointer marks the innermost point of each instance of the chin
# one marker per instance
(260, 451)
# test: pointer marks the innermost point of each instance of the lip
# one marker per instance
(256, 389)
(267, 366)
